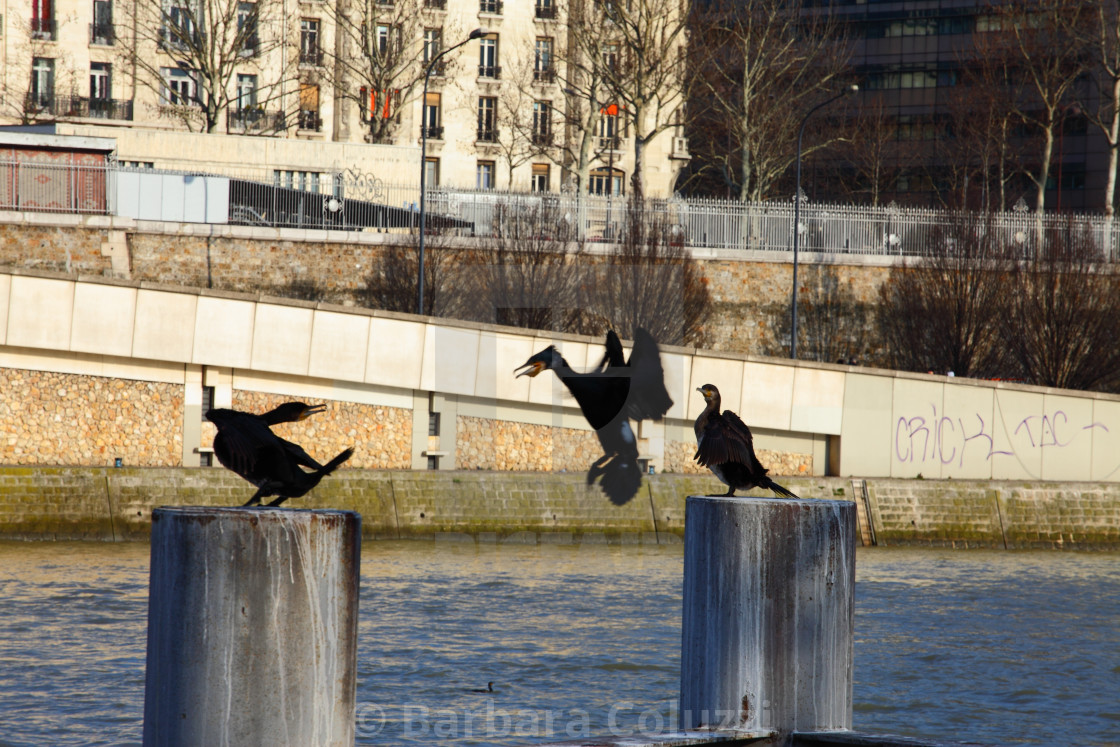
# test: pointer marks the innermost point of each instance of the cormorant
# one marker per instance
(609, 396)
(246, 445)
(725, 446)
(489, 688)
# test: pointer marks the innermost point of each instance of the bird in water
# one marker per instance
(488, 689)
(246, 445)
(725, 446)
(610, 396)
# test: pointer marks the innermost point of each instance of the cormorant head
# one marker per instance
(218, 416)
(709, 392)
(291, 412)
(542, 361)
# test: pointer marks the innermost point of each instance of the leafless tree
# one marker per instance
(189, 52)
(528, 276)
(942, 312)
(1064, 317)
(758, 67)
(380, 54)
(392, 283)
(874, 150)
(833, 324)
(1100, 37)
(35, 93)
(649, 280)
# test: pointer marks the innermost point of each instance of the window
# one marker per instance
(484, 175)
(309, 52)
(542, 60)
(42, 19)
(138, 164)
(487, 119)
(305, 181)
(246, 91)
(431, 172)
(433, 43)
(542, 124)
(431, 124)
(309, 107)
(180, 29)
(545, 10)
(101, 30)
(608, 128)
(488, 57)
(100, 89)
(380, 104)
(610, 56)
(490, 6)
(247, 28)
(385, 40)
(541, 178)
(42, 82)
(605, 182)
(178, 87)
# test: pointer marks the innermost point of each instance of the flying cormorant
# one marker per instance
(725, 446)
(246, 445)
(609, 396)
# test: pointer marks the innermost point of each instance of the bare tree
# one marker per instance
(874, 151)
(41, 69)
(380, 55)
(758, 67)
(392, 284)
(942, 312)
(1064, 317)
(1101, 40)
(651, 281)
(833, 324)
(529, 277)
(1051, 61)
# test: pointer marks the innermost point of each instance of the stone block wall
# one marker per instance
(55, 418)
(381, 436)
(679, 459)
(956, 513)
(484, 443)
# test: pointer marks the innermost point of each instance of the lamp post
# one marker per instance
(476, 34)
(797, 213)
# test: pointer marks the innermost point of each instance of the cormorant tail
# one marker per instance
(779, 490)
(335, 463)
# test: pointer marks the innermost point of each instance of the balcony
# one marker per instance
(487, 135)
(309, 120)
(494, 7)
(432, 133)
(44, 29)
(254, 120)
(312, 57)
(542, 139)
(610, 143)
(103, 34)
(544, 76)
(435, 4)
(178, 39)
(545, 12)
(490, 71)
(78, 106)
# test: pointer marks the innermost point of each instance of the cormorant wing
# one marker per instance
(239, 441)
(298, 455)
(615, 355)
(647, 399)
(727, 439)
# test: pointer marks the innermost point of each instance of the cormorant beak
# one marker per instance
(703, 391)
(311, 410)
(532, 368)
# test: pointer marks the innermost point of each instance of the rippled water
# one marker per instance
(996, 646)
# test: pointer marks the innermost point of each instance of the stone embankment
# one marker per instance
(99, 503)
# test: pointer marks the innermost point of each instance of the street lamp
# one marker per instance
(797, 212)
(476, 34)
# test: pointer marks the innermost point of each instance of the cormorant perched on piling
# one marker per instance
(725, 446)
(609, 396)
(246, 445)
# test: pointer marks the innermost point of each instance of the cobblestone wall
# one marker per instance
(53, 418)
(679, 459)
(482, 443)
(381, 436)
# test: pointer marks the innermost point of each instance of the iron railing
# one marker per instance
(361, 201)
(253, 120)
(78, 106)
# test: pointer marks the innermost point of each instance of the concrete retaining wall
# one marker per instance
(94, 503)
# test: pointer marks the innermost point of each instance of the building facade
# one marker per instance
(496, 112)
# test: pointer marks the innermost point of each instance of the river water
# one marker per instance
(581, 640)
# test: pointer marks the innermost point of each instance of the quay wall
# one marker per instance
(115, 504)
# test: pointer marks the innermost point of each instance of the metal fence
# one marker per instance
(353, 200)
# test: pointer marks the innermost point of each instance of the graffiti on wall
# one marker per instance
(957, 438)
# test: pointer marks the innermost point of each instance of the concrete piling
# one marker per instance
(766, 639)
(252, 627)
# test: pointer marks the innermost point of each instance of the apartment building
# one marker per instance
(495, 112)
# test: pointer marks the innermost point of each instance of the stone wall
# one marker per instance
(54, 418)
(115, 504)
(381, 436)
(751, 298)
(483, 443)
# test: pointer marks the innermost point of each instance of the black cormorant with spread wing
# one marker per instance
(612, 394)
(246, 445)
(725, 446)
